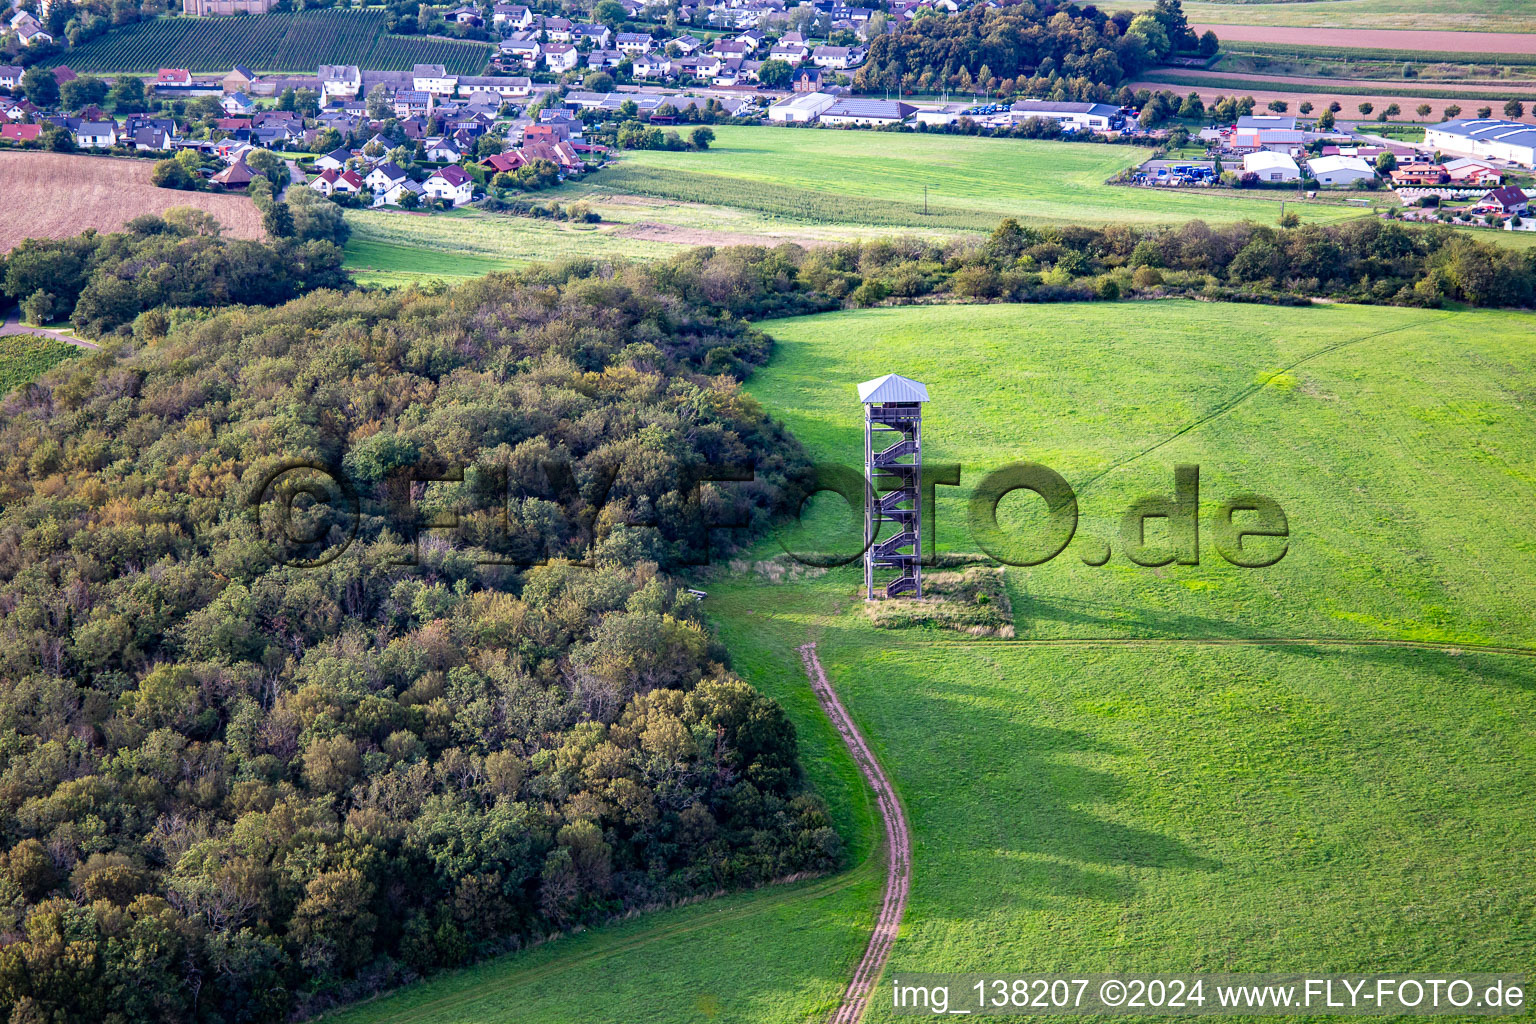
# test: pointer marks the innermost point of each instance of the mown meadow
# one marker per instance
(1153, 775)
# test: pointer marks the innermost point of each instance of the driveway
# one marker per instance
(11, 324)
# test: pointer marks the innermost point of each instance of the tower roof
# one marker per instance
(893, 387)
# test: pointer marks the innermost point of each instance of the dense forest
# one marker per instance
(243, 780)
(338, 638)
(102, 282)
(1042, 49)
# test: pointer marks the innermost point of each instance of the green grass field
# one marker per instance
(1443, 15)
(873, 178)
(271, 42)
(1146, 779)
(25, 357)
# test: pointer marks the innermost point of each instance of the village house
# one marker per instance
(411, 103)
(634, 42)
(512, 16)
(17, 133)
(1511, 201)
(96, 134)
(238, 79)
(1419, 174)
(434, 79)
(452, 183)
(236, 175)
(527, 50)
(561, 57)
(10, 75)
(556, 30)
(383, 176)
(1467, 171)
(173, 78)
(339, 81)
(836, 57)
(237, 104)
(394, 194)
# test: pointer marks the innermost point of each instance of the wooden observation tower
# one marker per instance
(893, 476)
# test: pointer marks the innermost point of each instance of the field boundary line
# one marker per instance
(898, 841)
(1249, 392)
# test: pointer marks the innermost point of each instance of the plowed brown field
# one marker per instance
(55, 195)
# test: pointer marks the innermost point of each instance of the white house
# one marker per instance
(834, 57)
(801, 108)
(1340, 170)
(513, 16)
(384, 177)
(335, 160)
(435, 79)
(452, 183)
(96, 134)
(651, 65)
(442, 150)
(397, 191)
(525, 50)
(560, 57)
(339, 81)
(1271, 166)
(634, 42)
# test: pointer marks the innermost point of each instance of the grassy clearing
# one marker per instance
(1448, 15)
(863, 177)
(25, 357)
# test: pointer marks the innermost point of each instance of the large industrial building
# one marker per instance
(1514, 141)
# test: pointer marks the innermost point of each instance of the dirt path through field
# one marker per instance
(1380, 39)
(898, 843)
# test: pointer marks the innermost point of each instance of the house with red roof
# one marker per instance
(18, 133)
(452, 183)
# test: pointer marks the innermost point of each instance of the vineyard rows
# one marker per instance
(271, 42)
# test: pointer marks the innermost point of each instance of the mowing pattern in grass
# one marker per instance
(25, 357)
(863, 177)
(271, 42)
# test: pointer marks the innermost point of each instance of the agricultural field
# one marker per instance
(1349, 96)
(1193, 768)
(104, 193)
(25, 357)
(271, 42)
(876, 179)
(1461, 20)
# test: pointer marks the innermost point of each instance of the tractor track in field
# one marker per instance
(898, 841)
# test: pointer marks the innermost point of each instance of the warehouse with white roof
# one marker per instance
(1514, 141)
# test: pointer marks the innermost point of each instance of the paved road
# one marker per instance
(10, 323)
(898, 845)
